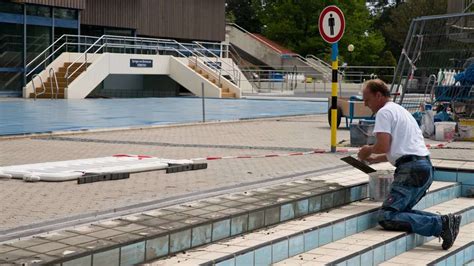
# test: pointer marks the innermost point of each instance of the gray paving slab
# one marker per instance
(25, 204)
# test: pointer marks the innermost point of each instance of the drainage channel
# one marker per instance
(86, 218)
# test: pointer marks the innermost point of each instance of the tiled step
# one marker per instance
(373, 246)
(288, 239)
(430, 253)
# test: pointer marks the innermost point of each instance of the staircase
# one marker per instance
(344, 235)
(102, 60)
(61, 79)
(214, 79)
(319, 220)
(262, 50)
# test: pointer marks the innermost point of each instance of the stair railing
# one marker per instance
(52, 76)
(34, 87)
(256, 37)
(66, 75)
(238, 77)
(55, 51)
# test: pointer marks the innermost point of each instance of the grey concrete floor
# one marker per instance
(24, 204)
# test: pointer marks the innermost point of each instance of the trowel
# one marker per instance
(358, 164)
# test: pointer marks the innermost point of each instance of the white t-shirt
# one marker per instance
(407, 138)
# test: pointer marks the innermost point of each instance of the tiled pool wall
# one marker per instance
(460, 256)
(286, 247)
(463, 176)
(159, 245)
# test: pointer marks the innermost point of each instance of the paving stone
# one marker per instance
(5, 248)
(106, 233)
(28, 243)
(172, 226)
(66, 252)
(96, 244)
(57, 235)
(154, 222)
(77, 240)
(16, 254)
(39, 259)
(47, 247)
(124, 238)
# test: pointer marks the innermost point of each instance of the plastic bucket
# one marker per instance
(379, 184)
(445, 130)
(466, 129)
(362, 133)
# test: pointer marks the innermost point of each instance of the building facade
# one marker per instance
(28, 27)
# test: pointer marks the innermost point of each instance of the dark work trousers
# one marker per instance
(411, 181)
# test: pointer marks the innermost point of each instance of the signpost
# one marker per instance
(331, 27)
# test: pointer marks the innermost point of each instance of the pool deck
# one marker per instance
(28, 205)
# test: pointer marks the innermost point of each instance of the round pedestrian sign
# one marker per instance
(331, 24)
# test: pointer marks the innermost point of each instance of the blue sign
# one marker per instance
(141, 63)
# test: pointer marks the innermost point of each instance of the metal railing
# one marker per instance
(46, 57)
(235, 73)
(52, 76)
(277, 52)
(34, 87)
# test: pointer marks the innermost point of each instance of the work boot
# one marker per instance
(450, 229)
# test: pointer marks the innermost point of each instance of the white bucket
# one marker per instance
(379, 184)
(445, 130)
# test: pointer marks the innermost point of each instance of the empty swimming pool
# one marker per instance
(27, 116)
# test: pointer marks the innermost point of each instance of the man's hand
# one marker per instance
(364, 152)
(377, 158)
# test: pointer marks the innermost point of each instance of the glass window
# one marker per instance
(90, 30)
(11, 81)
(58, 32)
(11, 57)
(9, 7)
(119, 32)
(37, 40)
(11, 45)
(39, 11)
(65, 13)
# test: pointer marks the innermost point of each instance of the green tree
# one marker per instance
(394, 22)
(294, 24)
(244, 13)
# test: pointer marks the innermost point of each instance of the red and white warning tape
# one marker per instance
(316, 151)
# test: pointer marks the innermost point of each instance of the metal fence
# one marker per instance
(435, 50)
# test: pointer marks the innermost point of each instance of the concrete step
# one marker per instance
(274, 244)
(430, 252)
